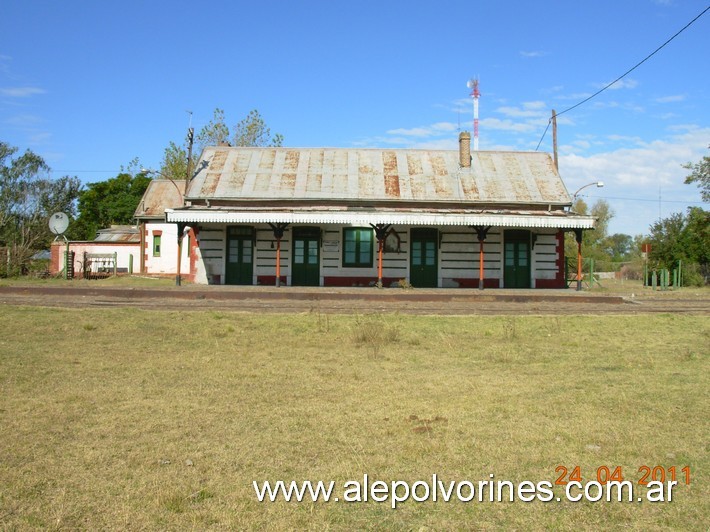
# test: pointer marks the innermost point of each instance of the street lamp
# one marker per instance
(180, 227)
(598, 184)
(578, 233)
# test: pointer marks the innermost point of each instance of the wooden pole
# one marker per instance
(380, 243)
(480, 265)
(579, 264)
(278, 261)
(178, 278)
(141, 259)
(554, 138)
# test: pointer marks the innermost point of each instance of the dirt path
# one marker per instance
(353, 300)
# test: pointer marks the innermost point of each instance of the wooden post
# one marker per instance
(178, 279)
(480, 265)
(380, 233)
(278, 261)
(578, 234)
(141, 259)
(380, 245)
(554, 138)
(482, 233)
(278, 230)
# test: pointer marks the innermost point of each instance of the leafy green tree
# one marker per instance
(251, 131)
(594, 242)
(104, 203)
(684, 237)
(215, 132)
(618, 246)
(28, 197)
(700, 174)
(174, 164)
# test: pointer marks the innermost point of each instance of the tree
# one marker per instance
(594, 241)
(215, 132)
(700, 174)
(113, 201)
(28, 197)
(174, 164)
(684, 237)
(618, 246)
(251, 131)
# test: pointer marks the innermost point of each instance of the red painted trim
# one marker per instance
(547, 283)
(473, 283)
(157, 232)
(269, 280)
(357, 281)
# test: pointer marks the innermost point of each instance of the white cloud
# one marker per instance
(411, 132)
(425, 131)
(529, 109)
(532, 53)
(633, 176)
(21, 92)
(671, 99)
(626, 83)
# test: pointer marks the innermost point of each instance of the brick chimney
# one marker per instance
(465, 149)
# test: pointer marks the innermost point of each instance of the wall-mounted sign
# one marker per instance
(331, 245)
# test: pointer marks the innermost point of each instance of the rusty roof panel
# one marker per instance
(161, 194)
(119, 233)
(331, 174)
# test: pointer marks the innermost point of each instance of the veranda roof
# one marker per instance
(364, 217)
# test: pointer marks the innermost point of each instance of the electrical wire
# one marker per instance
(605, 87)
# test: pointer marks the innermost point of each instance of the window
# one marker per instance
(156, 245)
(357, 251)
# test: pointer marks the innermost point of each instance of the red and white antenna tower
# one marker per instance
(473, 85)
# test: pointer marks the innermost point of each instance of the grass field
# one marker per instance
(132, 419)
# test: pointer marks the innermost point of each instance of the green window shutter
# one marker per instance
(357, 248)
(156, 245)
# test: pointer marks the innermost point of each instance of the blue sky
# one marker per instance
(92, 85)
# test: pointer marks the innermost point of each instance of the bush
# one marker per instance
(693, 275)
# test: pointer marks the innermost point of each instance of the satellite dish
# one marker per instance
(58, 223)
(469, 83)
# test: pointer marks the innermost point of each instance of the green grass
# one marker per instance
(132, 419)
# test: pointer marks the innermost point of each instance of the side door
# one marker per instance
(240, 255)
(423, 258)
(305, 262)
(516, 269)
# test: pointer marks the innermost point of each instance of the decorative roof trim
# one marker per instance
(543, 219)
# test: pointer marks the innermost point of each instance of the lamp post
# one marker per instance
(578, 233)
(598, 184)
(180, 228)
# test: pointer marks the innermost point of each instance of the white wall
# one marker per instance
(457, 254)
(166, 263)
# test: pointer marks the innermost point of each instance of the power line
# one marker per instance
(624, 74)
(654, 200)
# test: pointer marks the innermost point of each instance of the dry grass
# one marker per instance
(144, 420)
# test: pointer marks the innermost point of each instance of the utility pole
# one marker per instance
(554, 139)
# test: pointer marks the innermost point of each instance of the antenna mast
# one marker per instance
(473, 85)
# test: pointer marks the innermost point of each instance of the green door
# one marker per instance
(240, 255)
(423, 272)
(305, 269)
(516, 272)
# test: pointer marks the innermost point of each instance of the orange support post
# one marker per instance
(278, 262)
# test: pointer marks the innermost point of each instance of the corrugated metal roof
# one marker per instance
(161, 194)
(118, 233)
(226, 173)
(362, 217)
